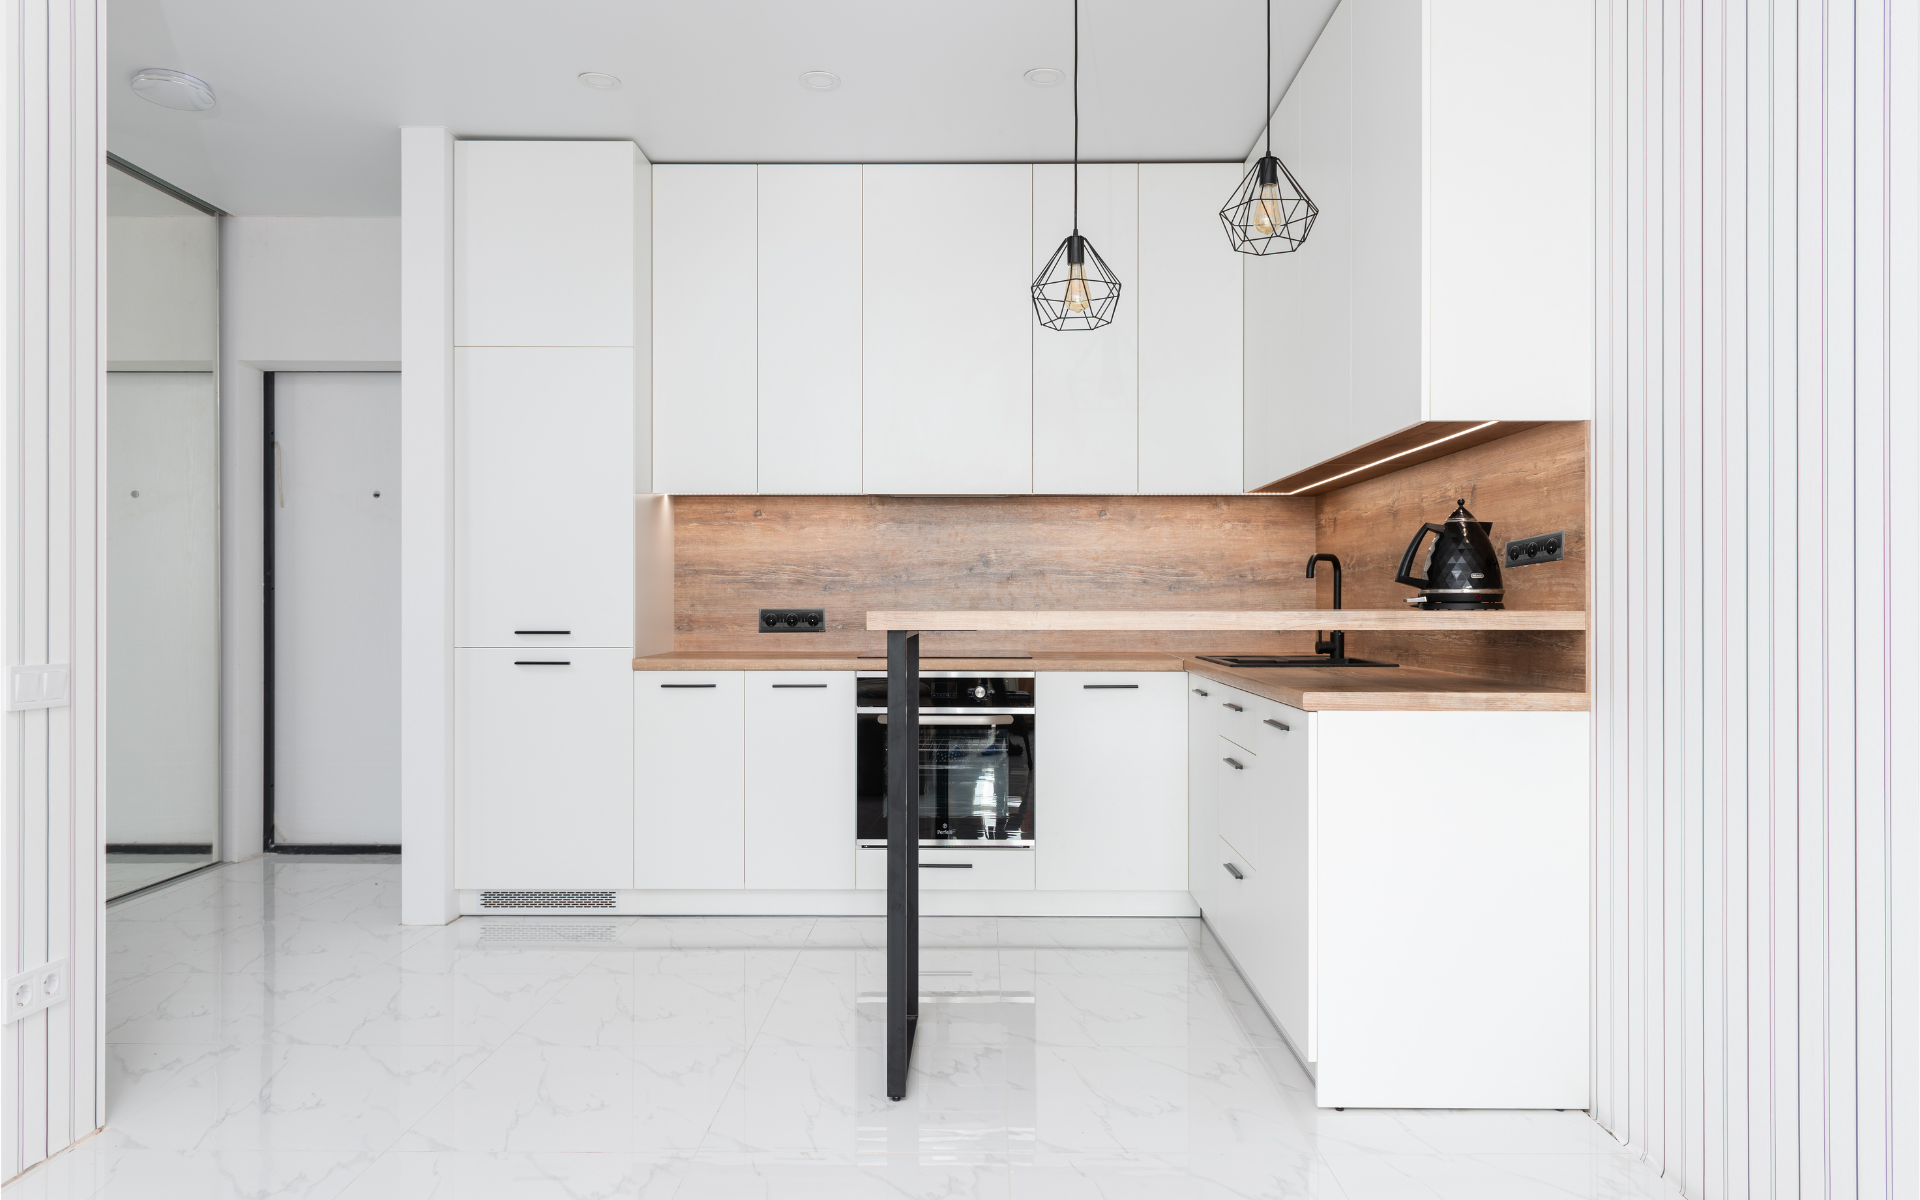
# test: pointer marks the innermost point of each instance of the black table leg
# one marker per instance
(903, 854)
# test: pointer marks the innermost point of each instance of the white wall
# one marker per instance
(297, 293)
(51, 893)
(1755, 448)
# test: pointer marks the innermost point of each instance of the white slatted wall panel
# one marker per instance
(1756, 454)
(51, 1092)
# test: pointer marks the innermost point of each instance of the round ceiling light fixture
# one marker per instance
(599, 80)
(174, 89)
(1045, 76)
(819, 81)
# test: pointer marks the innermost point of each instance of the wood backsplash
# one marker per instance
(1532, 482)
(734, 555)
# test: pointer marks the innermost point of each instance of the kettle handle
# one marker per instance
(1406, 560)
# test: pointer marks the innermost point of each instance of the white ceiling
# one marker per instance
(312, 91)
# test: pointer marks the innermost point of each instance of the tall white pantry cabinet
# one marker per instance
(551, 244)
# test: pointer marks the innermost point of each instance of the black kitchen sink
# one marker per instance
(1304, 660)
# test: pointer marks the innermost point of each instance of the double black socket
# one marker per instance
(793, 620)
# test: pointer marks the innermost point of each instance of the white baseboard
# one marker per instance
(863, 903)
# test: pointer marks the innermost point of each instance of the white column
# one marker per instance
(51, 1092)
(426, 526)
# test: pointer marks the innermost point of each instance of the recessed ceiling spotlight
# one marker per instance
(820, 81)
(174, 89)
(600, 80)
(1046, 76)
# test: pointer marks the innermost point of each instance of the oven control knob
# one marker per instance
(979, 691)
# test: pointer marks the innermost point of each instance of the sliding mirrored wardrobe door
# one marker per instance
(162, 556)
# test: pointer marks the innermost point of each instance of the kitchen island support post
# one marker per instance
(903, 854)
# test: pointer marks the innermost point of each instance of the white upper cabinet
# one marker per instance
(705, 263)
(1190, 319)
(543, 497)
(809, 323)
(1086, 394)
(948, 329)
(1449, 276)
(545, 240)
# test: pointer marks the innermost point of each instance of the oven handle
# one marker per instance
(927, 720)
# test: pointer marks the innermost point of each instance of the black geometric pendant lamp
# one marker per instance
(1269, 212)
(1076, 289)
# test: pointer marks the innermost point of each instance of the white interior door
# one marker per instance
(336, 515)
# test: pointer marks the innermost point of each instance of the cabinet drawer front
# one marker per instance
(943, 869)
(543, 769)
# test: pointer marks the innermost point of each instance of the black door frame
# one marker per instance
(270, 478)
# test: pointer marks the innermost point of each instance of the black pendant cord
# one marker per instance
(1268, 99)
(1076, 112)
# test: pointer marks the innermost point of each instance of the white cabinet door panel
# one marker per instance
(800, 781)
(948, 329)
(809, 329)
(1086, 383)
(1110, 781)
(1203, 799)
(1281, 817)
(544, 241)
(543, 496)
(688, 811)
(1237, 770)
(704, 313)
(543, 768)
(1190, 319)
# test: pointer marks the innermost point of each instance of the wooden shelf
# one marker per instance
(1123, 620)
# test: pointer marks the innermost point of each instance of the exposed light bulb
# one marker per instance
(1266, 209)
(1077, 298)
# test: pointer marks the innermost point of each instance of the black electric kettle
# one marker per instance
(1463, 568)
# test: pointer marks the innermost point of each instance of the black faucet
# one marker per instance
(1335, 648)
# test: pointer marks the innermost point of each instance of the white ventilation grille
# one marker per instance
(546, 899)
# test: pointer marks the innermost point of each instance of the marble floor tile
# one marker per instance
(387, 1006)
(131, 1174)
(359, 1098)
(274, 1031)
(231, 1008)
(415, 1175)
(793, 1177)
(525, 1099)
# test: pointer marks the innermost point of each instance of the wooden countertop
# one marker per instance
(850, 660)
(1350, 619)
(1375, 688)
(1307, 688)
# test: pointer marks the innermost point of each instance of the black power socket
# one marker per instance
(793, 620)
(1543, 547)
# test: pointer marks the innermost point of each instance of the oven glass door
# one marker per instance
(976, 779)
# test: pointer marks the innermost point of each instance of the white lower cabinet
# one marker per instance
(1204, 874)
(800, 779)
(689, 792)
(543, 769)
(949, 869)
(1110, 781)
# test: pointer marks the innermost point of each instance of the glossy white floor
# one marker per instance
(274, 1032)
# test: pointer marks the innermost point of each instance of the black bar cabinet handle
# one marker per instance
(554, 632)
(1233, 870)
(1094, 687)
(1201, 692)
(795, 685)
(541, 662)
(1230, 704)
(946, 866)
(688, 685)
(1281, 726)
(1236, 766)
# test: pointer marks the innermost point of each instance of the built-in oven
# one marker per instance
(976, 758)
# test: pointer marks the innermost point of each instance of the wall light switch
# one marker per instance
(43, 685)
